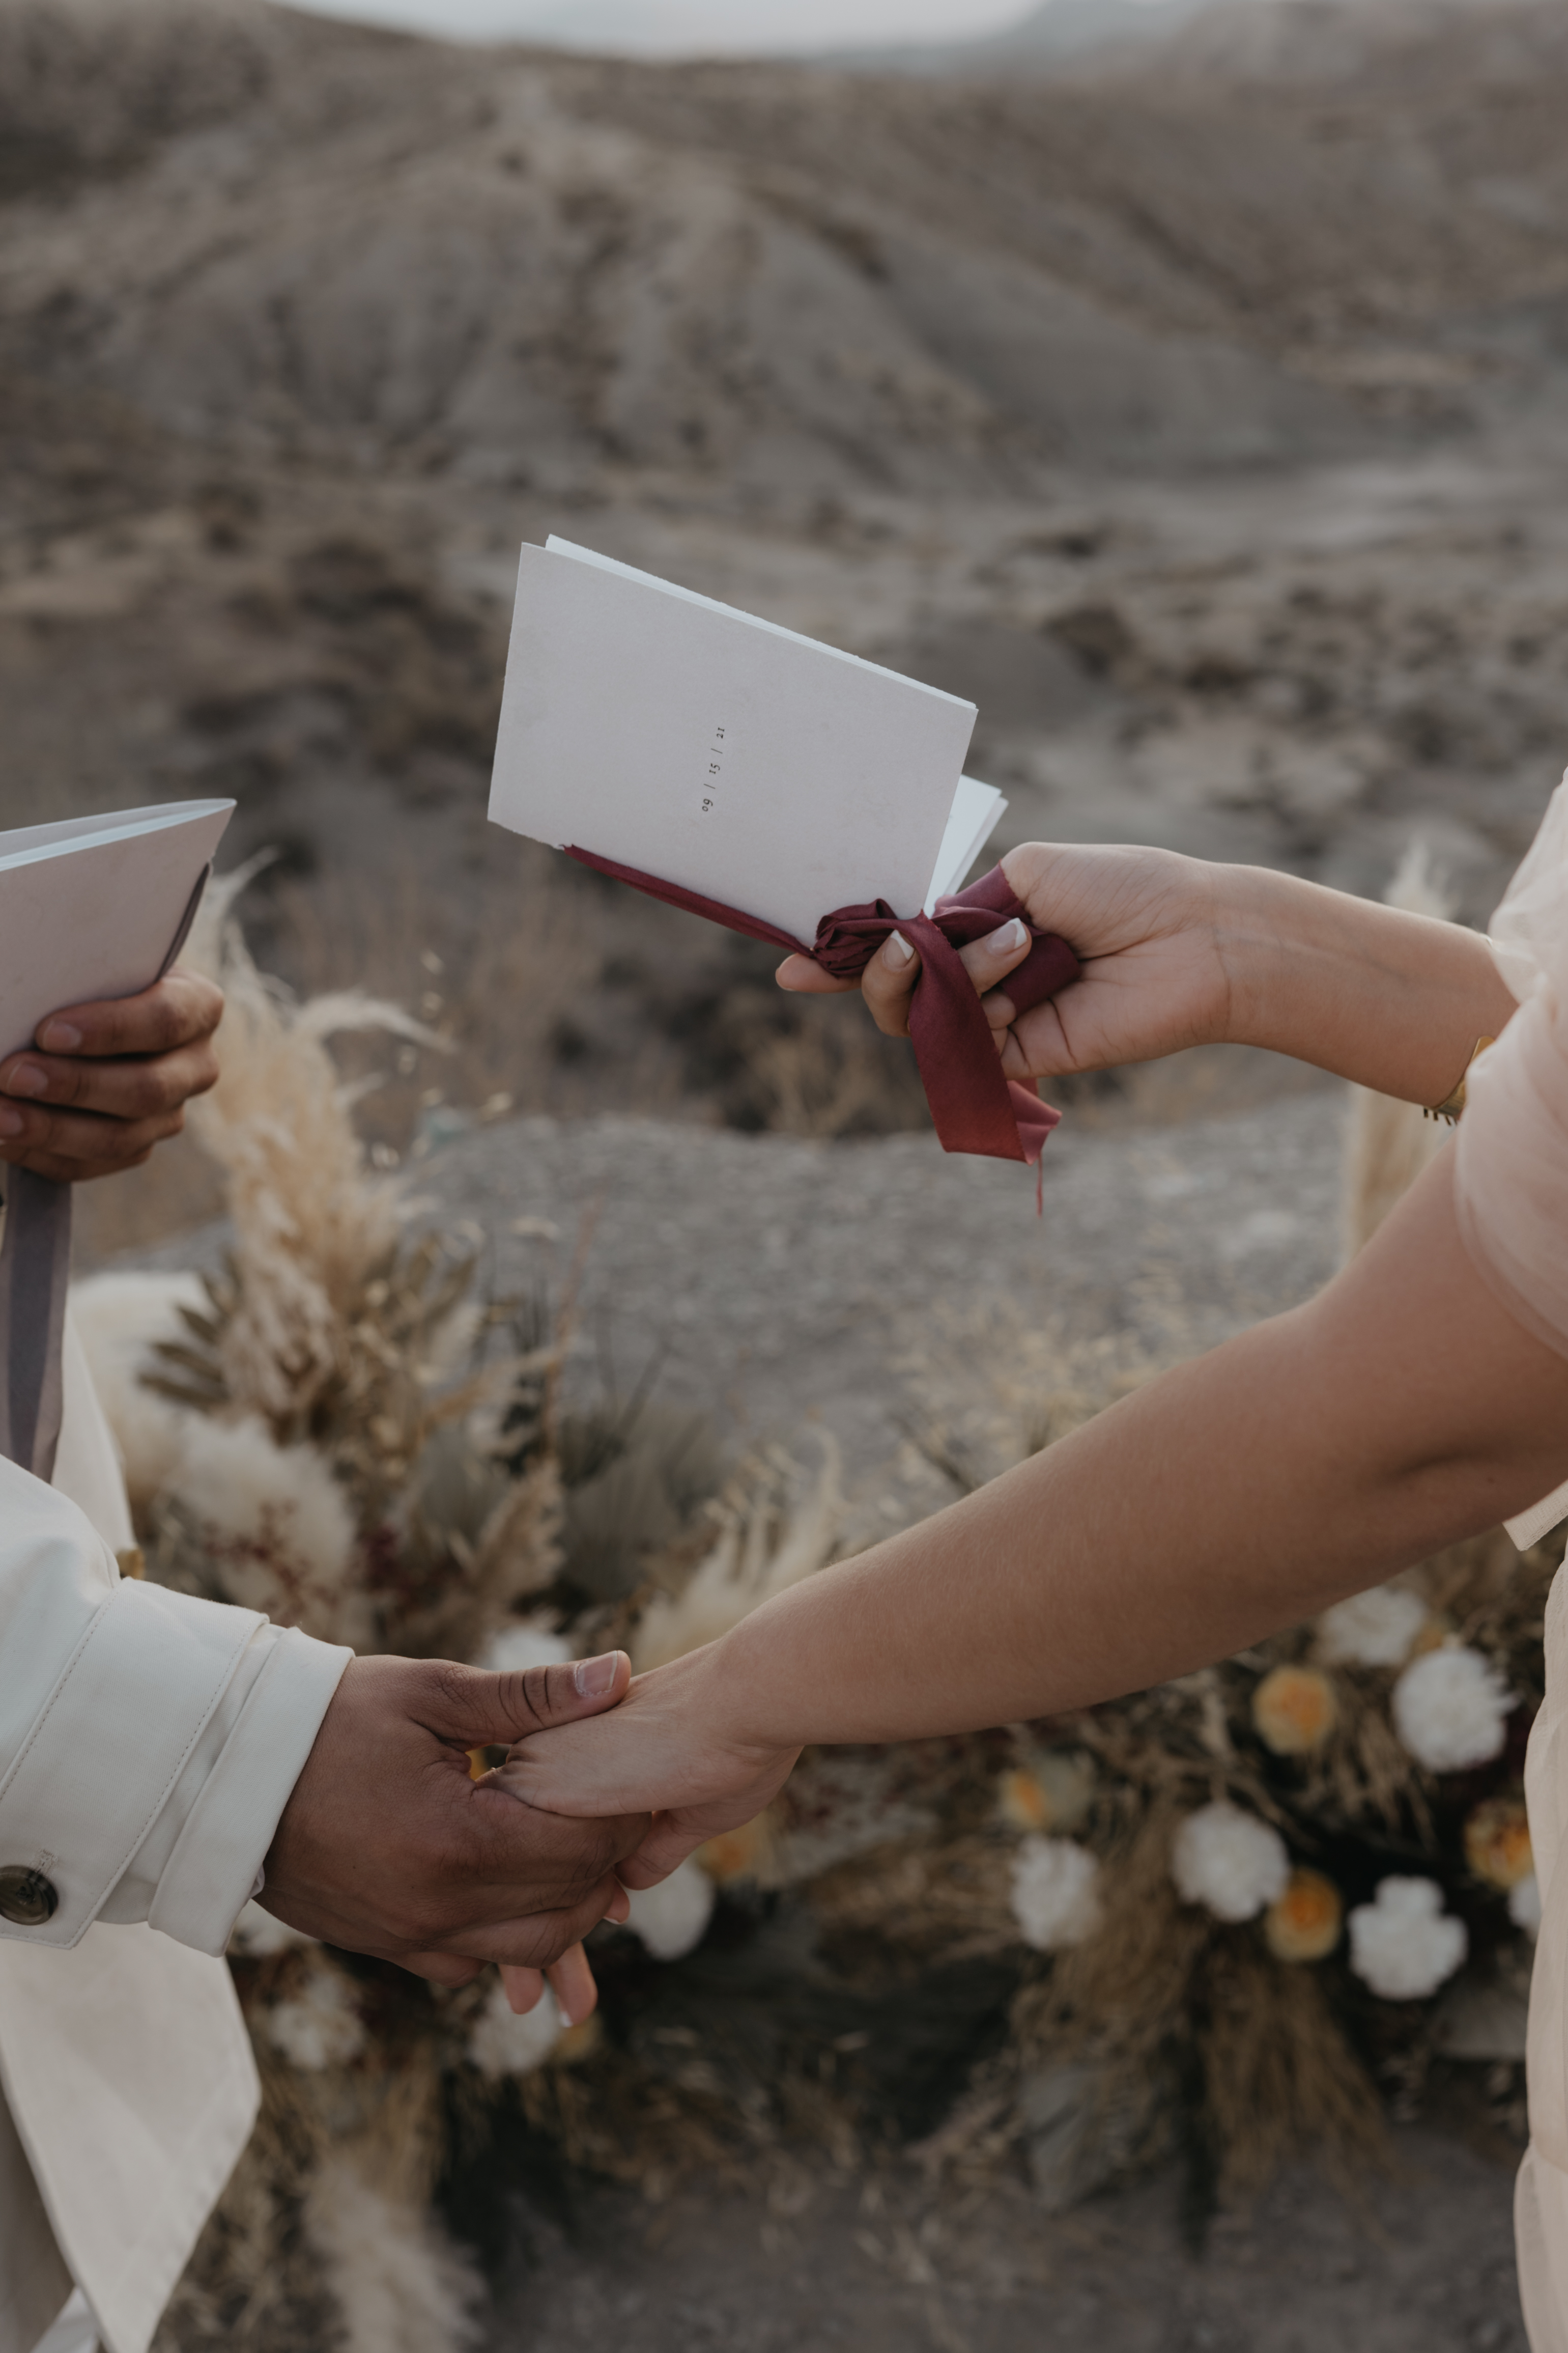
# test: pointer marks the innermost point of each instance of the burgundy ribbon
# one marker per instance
(975, 1108)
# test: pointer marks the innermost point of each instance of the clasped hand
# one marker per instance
(678, 1750)
(388, 1845)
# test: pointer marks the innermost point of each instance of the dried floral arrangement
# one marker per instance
(1228, 1917)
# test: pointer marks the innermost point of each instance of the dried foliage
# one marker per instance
(991, 1948)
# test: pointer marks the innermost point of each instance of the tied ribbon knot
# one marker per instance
(974, 1107)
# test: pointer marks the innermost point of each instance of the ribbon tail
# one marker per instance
(35, 1270)
(971, 1103)
(1035, 1119)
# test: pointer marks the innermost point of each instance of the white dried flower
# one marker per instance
(1524, 1905)
(1375, 1628)
(502, 2044)
(672, 1918)
(528, 1643)
(1230, 1861)
(400, 2283)
(321, 2025)
(1451, 1708)
(1055, 1899)
(277, 1528)
(258, 1933)
(120, 1319)
(1403, 1945)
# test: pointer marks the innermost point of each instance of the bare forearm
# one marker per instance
(1245, 1492)
(1393, 1000)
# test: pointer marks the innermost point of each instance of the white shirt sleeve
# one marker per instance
(148, 1740)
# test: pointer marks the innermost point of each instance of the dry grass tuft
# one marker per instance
(770, 1536)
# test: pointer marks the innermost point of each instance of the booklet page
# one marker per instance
(89, 907)
(696, 744)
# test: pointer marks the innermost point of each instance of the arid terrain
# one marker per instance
(1201, 414)
(1201, 409)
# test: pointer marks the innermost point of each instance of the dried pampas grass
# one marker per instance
(1278, 2077)
(400, 2284)
(311, 1225)
(122, 1321)
(771, 1535)
(268, 1527)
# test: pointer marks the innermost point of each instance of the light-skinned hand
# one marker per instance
(1177, 952)
(101, 1084)
(1149, 927)
(388, 1846)
(676, 1747)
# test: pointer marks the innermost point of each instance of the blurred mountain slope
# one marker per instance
(1046, 39)
(285, 235)
(1412, 45)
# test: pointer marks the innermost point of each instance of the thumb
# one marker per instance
(670, 1839)
(804, 976)
(485, 1710)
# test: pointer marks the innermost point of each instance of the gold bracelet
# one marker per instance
(1453, 1104)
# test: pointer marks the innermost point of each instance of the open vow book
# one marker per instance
(96, 907)
(777, 787)
(657, 730)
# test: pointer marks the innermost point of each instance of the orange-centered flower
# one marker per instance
(1496, 1842)
(1024, 1803)
(743, 1853)
(1294, 1710)
(1304, 1925)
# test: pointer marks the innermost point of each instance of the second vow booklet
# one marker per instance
(721, 753)
(95, 907)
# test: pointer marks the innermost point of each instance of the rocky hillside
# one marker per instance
(271, 232)
(1200, 414)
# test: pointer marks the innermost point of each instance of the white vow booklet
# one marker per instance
(723, 754)
(91, 907)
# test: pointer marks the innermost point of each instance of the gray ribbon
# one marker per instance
(35, 1273)
(35, 1269)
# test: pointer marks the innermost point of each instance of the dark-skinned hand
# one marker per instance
(101, 1084)
(387, 1845)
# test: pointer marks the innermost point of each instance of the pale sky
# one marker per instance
(669, 27)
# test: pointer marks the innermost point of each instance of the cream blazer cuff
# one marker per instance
(151, 1744)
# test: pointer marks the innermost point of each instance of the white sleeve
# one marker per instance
(148, 1740)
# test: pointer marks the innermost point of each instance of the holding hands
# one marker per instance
(388, 1846)
(676, 1742)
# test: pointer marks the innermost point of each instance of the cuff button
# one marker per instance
(27, 1898)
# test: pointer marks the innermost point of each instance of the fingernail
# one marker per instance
(11, 1121)
(1011, 935)
(899, 950)
(60, 1037)
(593, 1677)
(26, 1079)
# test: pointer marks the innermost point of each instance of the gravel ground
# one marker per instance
(774, 1279)
(1418, 2261)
